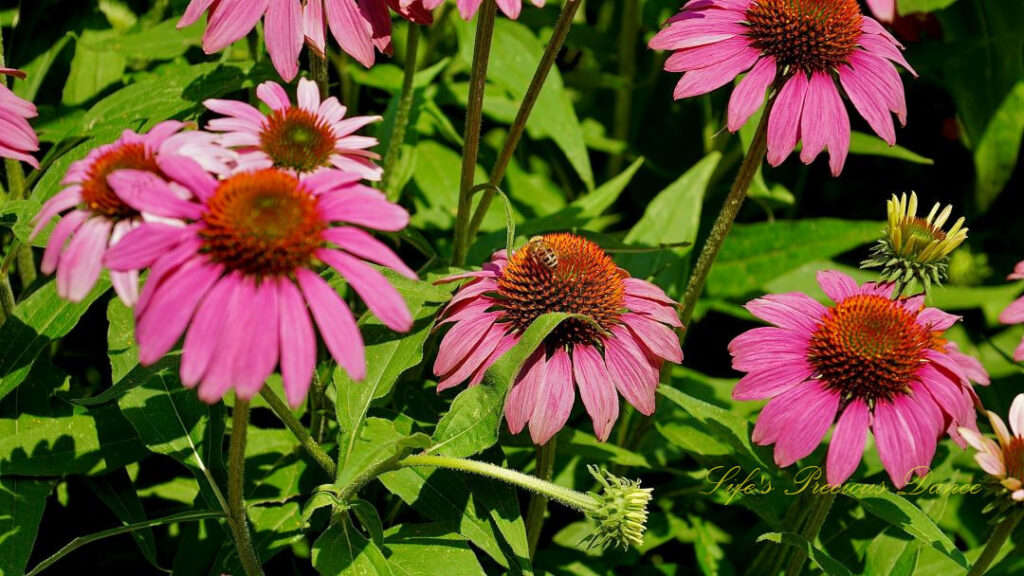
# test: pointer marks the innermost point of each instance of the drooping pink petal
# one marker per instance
(143, 245)
(748, 95)
(869, 101)
(337, 325)
(895, 443)
(772, 381)
(194, 11)
(596, 389)
(160, 325)
(460, 341)
(252, 369)
(362, 210)
(811, 412)
(351, 31)
(380, 296)
(784, 120)
(298, 343)
(767, 346)
(847, 445)
(475, 359)
(793, 311)
(885, 10)
(632, 373)
(283, 30)
(555, 397)
(359, 243)
(231, 20)
(189, 173)
(149, 193)
(55, 246)
(81, 263)
(657, 337)
(522, 398)
(60, 202)
(201, 340)
(705, 80)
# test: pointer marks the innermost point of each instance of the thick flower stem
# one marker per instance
(515, 132)
(402, 113)
(630, 29)
(318, 70)
(819, 507)
(236, 478)
(539, 502)
(733, 202)
(292, 423)
(999, 535)
(565, 496)
(474, 119)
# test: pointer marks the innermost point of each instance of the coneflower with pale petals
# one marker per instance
(17, 139)
(94, 218)
(619, 349)
(242, 276)
(361, 27)
(1003, 461)
(510, 8)
(804, 48)
(866, 363)
(309, 136)
(1014, 313)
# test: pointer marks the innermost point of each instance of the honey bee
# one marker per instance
(543, 251)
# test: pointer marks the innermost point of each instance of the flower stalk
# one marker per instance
(236, 479)
(819, 508)
(402, 113)
(995, 542)
(305, 439)
(723, 223)
(515, 132)
(474, 120)
(539, 502)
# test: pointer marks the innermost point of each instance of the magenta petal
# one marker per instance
(596, 389)
(350, 30)
(188, 172)
(659, 339)
(784, 120)
(633, 374)
(252, 368)
(1014, 313)
(772, 381)
(230, 20)
(522, 398)
(748, 95)
(895, 443)
(869, 101)
(283, 31)
(81, 264)
(220, 376)
(793, 311)
(836, 285)
(148, 193)
(767, 346)
(705, 80)
(142, 246)
(62, 201)
(171, 307)
(847, 445)
(67, 225)
(380, 296)
(360, 243)
(193, 12)
(460, 341)
(812, 409)
(475, 360)
(298, 343)
(337, 326)
(204, 332)
(554, 398)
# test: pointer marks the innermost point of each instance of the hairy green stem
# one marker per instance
(723, 223)
(292, 423)
(996, 540)
(539, 502)
(474, 120)
(628, 33)
(318, 405)
(236, 480)
(402, 113)
(565, 496)
(515, 132)
(318, 70)
(819, 506)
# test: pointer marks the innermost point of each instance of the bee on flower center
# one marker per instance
(543, 252)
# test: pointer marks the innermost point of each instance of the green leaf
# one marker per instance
(38, 320)
(22, 501)
(343, 550)
(369, 519)
(376, 442)
(828, 564)
(870, 145)
(899, 512)
(93, 69)
(190, 516)
(436, 197)
(995, 156)
(673, 217)
(429, 549)
(472, 423)
(274, 529)
(117, 491)
(754, 254)
(67, 439)
(161, 42)
(274, 466)
(121, 346)
(913, 6)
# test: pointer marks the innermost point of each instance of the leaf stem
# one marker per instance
(819, 506)
(515, 132)
(628, 33)
(474, 120)
(539, 502)
(305, 439)
(236, 479)
(723, 223)
(402, 113)
(995, 542)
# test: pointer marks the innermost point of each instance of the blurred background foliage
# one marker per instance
(607, 153)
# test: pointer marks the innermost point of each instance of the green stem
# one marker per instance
(999, 535)
(565, 496)
(723, 223)
(627, 72)
(402, 113)
(819, 507)
(292, 423)
(515, 132)
(539, 502)
(6, 298)
(474, 120)
(236, 480)
(318, 403)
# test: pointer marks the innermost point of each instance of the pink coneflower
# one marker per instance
(312, 135)
(622, 347)
(241, 276)
(511, 8)
(230, 20)
(1014, 313)
(360, 26)
(95, 218)
(801, 46)
(869, 360)
(17, 139)
(1005, 460)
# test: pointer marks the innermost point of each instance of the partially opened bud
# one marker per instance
(621, 514)
(915, 248)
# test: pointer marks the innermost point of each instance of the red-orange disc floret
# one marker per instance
(562, 273)
(1013, 456)
(263, 223)
(870, 347)
(805, 35)
(97, 196)
(298, 139)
